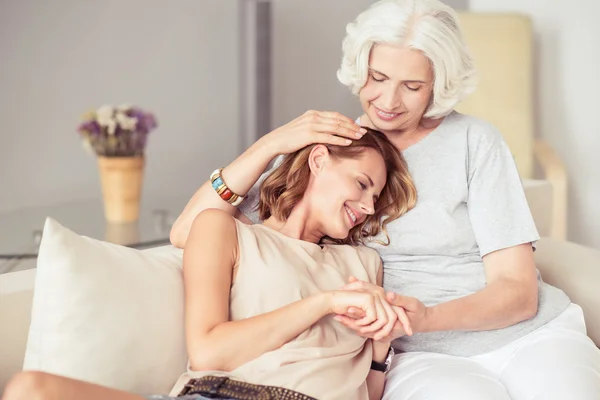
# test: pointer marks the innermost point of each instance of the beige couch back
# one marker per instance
(502, 47)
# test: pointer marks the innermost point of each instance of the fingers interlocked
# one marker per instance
(391, 321)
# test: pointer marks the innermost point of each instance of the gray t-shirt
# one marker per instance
(470, 203)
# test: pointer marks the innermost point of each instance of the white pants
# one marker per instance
(555, 362)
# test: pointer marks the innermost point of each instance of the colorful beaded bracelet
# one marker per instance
(223, 190)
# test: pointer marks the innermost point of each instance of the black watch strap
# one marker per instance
(384, 366)
(377, 366)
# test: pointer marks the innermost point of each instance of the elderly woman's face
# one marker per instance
(398, 88)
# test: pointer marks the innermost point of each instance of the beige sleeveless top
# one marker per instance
(327, 361)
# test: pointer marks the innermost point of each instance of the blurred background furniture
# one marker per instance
(21, 230)
(503, 49)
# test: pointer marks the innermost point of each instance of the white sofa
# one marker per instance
(573, 268)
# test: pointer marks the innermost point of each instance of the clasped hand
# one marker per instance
(369, 311)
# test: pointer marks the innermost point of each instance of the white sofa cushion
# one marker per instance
(107, 314)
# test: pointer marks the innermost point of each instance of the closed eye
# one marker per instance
(377, 79)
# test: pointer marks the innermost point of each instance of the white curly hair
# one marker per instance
(429, 26)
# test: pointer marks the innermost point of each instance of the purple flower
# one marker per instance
(91, 127)
(114, 136)
(146, 121)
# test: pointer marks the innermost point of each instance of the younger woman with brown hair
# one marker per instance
(261, 300)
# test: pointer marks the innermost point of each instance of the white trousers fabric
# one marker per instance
(555, 362)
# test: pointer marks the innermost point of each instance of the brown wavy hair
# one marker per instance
(285, 186)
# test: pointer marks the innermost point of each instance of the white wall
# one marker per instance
(178, 59)
(568, 85)
(306, 53)
(62, 57)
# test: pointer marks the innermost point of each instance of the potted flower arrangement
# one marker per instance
(118, 136)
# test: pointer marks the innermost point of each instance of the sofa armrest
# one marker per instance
(555, 172)
(576, 270)
(539, 198)
(16, 296)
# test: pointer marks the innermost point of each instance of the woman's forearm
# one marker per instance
(240, 175)
(500, 304)
(376, 379)
(231, 344)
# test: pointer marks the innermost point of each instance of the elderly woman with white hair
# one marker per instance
(461, 262)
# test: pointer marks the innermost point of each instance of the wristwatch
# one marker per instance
(386, 365)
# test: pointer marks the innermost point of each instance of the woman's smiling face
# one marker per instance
(345, 192)
(398, 89)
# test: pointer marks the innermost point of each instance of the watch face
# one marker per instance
(389, 359)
